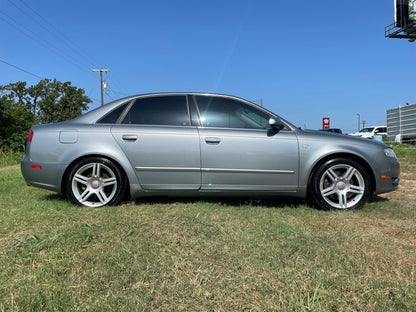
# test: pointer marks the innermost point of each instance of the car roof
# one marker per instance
(95, 114)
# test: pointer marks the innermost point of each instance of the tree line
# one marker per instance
(23, 106)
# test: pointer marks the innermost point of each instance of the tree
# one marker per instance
(54, 101)
(46, 102)
(15, 122)
(5, 120)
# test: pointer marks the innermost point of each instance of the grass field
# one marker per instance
(199, 255)
(10, 158)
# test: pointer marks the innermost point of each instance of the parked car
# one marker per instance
(370, 132)
(334, 130)
(202, 144)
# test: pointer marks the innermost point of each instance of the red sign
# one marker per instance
(325, 122)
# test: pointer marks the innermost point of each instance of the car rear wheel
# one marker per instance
(95, 182)
(340, 183)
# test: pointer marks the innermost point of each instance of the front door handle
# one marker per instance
(212, 141)
(129, 137)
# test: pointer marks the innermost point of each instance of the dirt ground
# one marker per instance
(407, 187)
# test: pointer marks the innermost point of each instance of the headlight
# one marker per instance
(389, 153)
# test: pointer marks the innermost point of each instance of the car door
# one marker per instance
(239, 153)
(157, 137)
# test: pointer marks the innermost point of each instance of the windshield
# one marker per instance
(366, 130)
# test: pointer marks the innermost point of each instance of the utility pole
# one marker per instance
(101, 81)
(358, 122)
(364, 123)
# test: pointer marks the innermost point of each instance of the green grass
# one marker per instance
(202, 255)
(406, 153)
(10, 158)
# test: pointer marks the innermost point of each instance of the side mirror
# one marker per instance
(276, 124)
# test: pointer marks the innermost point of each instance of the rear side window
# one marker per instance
(113, 116)
(380, 130)
(159, 110)
(229, 113)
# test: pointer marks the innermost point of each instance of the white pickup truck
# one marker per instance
(370, 132)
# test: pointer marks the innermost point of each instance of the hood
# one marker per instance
(340, 138)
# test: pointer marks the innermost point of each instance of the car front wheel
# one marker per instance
(95, 182)
(340, 183)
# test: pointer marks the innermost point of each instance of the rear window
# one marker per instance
(113, 116)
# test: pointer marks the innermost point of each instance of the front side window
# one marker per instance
(159, 110)
(228, 113)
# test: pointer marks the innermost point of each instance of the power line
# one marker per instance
(48, 26)
(67, 50)
(21, 69)
(115, 83)
(29, 33)
(117, 93)
(106, 92)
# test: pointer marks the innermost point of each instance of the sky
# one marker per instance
(305, 59)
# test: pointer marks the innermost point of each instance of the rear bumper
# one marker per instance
(43, 175)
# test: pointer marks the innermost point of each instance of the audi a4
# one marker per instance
(186, 144)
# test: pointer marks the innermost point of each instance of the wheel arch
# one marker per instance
(354, 157)
(73, 162)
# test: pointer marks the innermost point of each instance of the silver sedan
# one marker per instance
(202, 144)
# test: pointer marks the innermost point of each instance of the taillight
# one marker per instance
(30, 136)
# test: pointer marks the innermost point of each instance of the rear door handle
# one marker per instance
(212, 141)
(129, 137)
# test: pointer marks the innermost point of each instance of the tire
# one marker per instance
(340, 184)
(95, 182)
